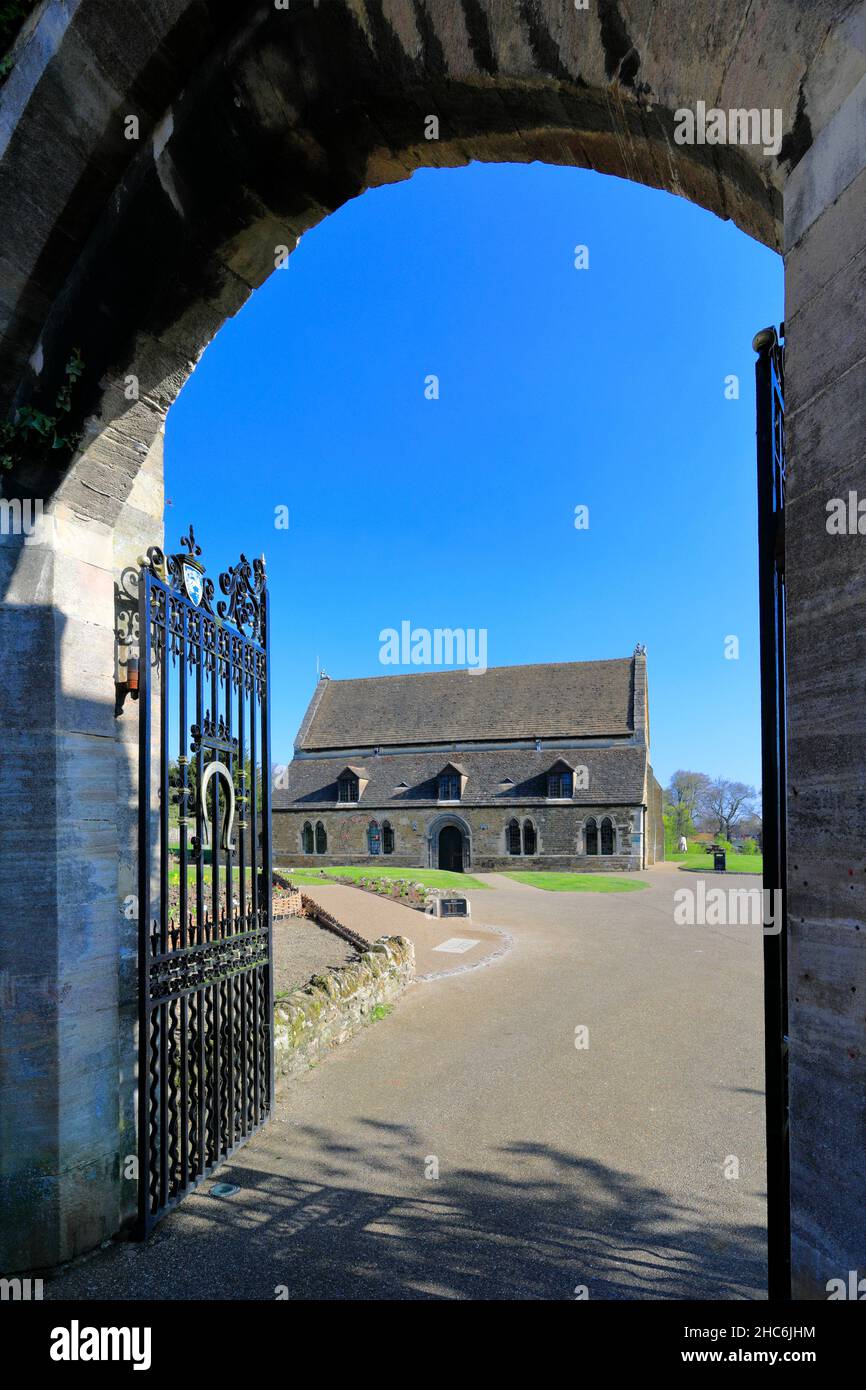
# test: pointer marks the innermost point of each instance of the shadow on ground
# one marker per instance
(541, 1224)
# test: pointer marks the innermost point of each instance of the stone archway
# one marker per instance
(450, 851)
(249, 124)
(458, 842)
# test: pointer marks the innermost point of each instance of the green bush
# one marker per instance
(749, 847)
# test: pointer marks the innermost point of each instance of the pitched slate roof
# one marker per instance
(615, 775)
(560, 700)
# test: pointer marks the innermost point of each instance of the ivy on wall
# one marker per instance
(12, 15)
(31, 434)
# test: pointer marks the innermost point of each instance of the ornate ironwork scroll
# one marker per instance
(206, 1075)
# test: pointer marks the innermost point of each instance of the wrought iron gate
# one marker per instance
(770, 384)
(205, 981)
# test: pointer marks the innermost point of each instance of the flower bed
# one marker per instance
(401, 890)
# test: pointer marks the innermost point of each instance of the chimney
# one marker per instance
(641, 696)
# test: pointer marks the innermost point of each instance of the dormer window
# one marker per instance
(449, 786)
(351, 784)
(347, 787)
(451, 782)
(560, 783)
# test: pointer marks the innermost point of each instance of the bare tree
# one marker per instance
(726, 803)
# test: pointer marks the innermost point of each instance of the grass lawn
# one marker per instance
(431, 878)
(578, 883)
(174, 874)
(736, 863)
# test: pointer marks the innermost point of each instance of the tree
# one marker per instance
(672, 839)
(684, 798)
(752, 827)
(727, 803)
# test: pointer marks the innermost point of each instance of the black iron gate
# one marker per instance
(205, 982)
(770, 383)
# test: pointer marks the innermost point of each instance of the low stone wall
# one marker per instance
(556, 863)
(481, 863)
(334, 1006)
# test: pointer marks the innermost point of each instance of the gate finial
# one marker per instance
(190, 542)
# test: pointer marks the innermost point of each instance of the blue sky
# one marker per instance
(559, 387)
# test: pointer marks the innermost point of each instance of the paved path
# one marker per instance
(373, 916)
(558, 1168)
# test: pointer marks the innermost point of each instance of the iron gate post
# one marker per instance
(144, 863)
(770, 402)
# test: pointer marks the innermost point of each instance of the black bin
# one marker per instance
(720, 861)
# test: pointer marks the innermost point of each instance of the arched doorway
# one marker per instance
(451, 849)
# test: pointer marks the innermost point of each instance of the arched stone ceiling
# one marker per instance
(256, 122)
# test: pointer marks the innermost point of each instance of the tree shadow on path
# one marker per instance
(539, 1223)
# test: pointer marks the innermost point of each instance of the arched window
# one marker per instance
(512, 836)
(591, 836)
(321, 838)
(607, 836)
(387, 839)
(374, 838)
(308, 838)
(528, 837)
(347, 787)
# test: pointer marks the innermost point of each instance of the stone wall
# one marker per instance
(68, 864)
(655, 825)
(334, 1006)
(559, 837)
(825, 226)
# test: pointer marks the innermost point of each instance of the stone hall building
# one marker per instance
(539, 767)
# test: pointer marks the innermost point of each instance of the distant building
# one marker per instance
(542, 767)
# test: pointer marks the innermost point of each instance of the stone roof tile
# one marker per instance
(614, 775)
(556, 700)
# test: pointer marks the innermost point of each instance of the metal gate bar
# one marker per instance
(770, 392)
(206, 1077)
